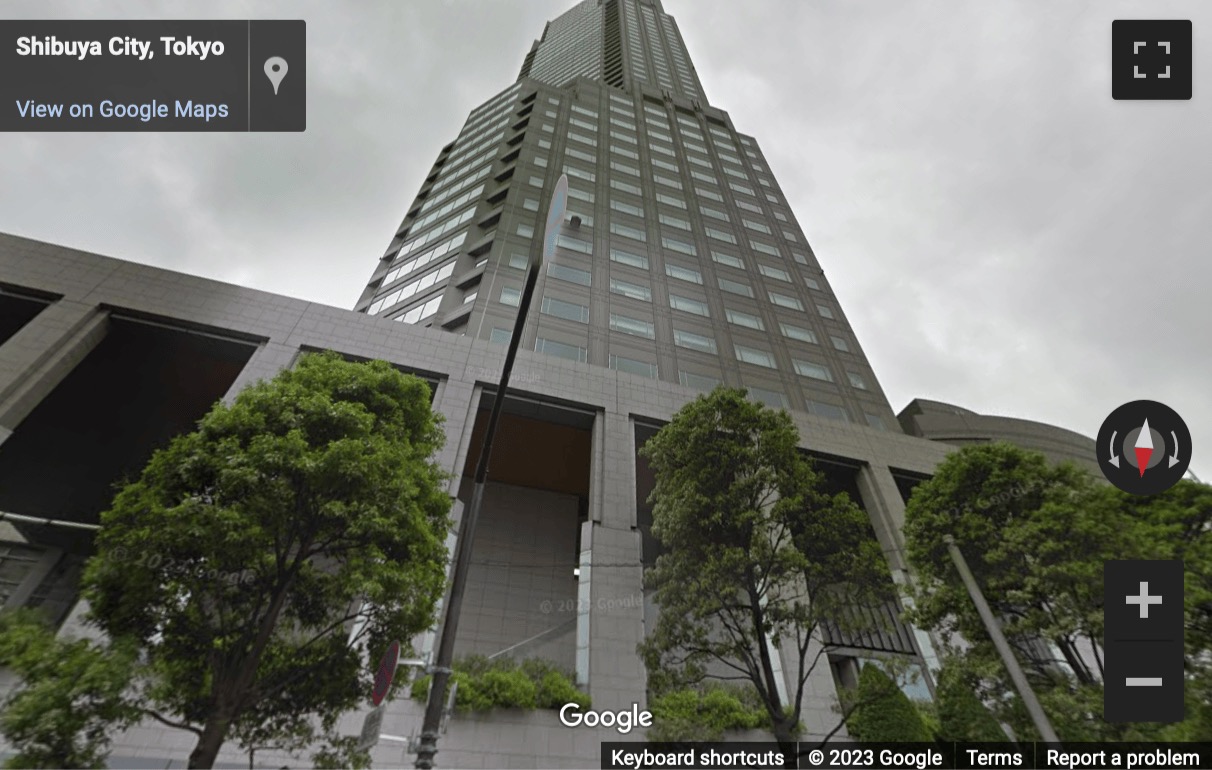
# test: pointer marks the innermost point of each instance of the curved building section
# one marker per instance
(950, 424)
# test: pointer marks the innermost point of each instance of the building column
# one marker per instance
(43, 352)
(269, 359)
(611, 623)
(883, 500)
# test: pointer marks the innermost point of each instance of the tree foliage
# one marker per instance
(883, 713)
(961, 714)
(1036, 537)
(317, 487)
(72, 697)
(485, 684)
(706, 713)
(753, 550)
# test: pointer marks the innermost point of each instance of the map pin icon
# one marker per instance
(275, 70)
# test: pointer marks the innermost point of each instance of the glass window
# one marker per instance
(708, 194)
(696, 160)
(511, 296)
(658, 163)
(683, 273)
(618, 184)
(667, 181)
(815, 371)
(799, 257)
(728, 259)
(679, 246)
(687, 305)
(798, 333)
(719, 235)
(540, 162)
(698, 381)
(735, 287)
(627, 258)
(569, 273)
(672, 221)
(623, 137)
(694, 341)
(828, 411)
(589, 140)
(623, 168)
(755, 356)
(583, 124)
(530, 204)
(632, 366)
(782, 300)
(748, 207)
(856, 380)
(519, 261)
(634, 326)
(575, 153)
(574, 244)
(627, 208)
(761, 228)
(839, 343)
(771, 398)
(560, 349)
(499, 336)
(585, 111)
(632, 290)
(764, 248)
(544, 144)
(662, 150)
(580, 173)
(747, 320)
(742, 189)
(774, 272)
(714, 213)
(824, 311)
(875, 421)
(628, 232)
(812, 283)
(468, 299)
(569, 311)
(699, 175)
(671, 201)
(624, 152)
(580, 195)
(790, 236)
(536, 181)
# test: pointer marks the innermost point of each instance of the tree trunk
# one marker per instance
(213, 733)
(785, 733)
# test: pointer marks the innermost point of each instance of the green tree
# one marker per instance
(1036, 537)
(753, 551)
(704, 713)
(961, 714)
(319, 490)
(883, 713)
(72, 697)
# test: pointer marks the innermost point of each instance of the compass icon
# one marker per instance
(1144, 447)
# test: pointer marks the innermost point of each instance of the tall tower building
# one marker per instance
(681, 260)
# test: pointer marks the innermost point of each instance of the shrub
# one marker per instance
(884, 713)
(704, 713)
(961, 715)
(487, 684)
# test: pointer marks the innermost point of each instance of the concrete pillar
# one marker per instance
(882, 499)
(269, 359)
(37, 358)
(613, 622)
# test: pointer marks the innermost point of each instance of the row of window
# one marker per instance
(702, 382)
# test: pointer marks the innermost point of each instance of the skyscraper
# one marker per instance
(683, 261)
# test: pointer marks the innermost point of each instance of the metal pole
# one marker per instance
(1003, 647)
(434, 707)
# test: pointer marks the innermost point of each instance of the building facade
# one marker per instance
(680, 266)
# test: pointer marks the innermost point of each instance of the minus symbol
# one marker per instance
(1143, 681)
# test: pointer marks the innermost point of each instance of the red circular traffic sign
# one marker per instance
(386, 672)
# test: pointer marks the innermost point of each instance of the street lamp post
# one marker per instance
(441, 671)
(1003, 647)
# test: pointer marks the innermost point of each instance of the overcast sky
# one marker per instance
(1001, 233)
